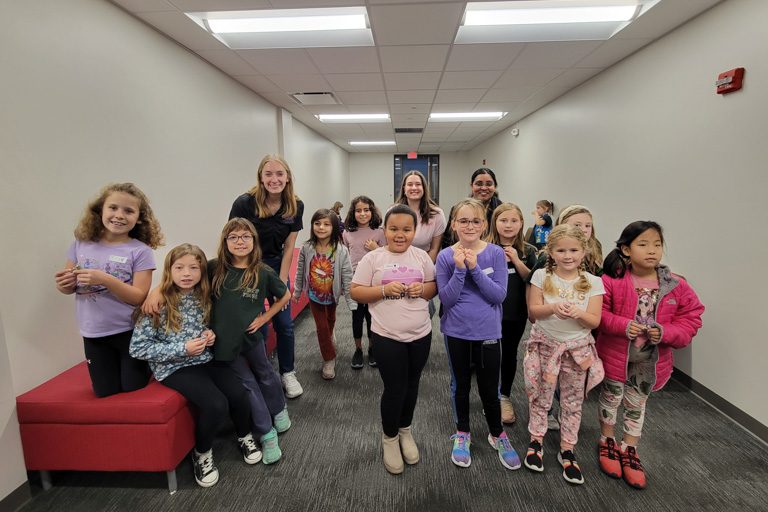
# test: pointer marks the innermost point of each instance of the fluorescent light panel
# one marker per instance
(465, 116)
(353, 118)
(534, 16)
(371, 143)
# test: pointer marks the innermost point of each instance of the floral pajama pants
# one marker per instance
(633, 394)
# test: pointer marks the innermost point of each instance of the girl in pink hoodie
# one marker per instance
(647, 312)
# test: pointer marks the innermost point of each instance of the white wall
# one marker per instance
(650, 139)
(92, 96)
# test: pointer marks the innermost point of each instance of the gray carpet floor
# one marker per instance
(696, 459)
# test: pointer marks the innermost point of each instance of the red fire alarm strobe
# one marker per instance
(730, 81)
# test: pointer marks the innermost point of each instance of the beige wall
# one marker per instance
(106, 99)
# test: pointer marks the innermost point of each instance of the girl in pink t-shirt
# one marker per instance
(397, 281)
(363, 234)
(109, 269)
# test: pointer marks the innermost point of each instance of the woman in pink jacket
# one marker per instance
(647, 312)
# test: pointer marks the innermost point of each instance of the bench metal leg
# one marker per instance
(45, 479)
(172, 486)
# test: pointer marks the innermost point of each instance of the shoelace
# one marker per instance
(460, 440)
(570, 458)
(250, 444)
(609, 450)
(631, 459)
(206, 463)
(503, 444)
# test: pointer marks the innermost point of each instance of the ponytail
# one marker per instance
(615, 264)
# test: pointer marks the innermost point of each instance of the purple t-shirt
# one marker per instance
(99, 313)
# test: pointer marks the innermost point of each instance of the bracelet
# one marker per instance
(383, 295)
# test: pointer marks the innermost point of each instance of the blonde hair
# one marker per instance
(594, 256)
(288, 199)
(250, 279)
(558, 233)
(473, 204)
(171, 294)
(147, 228)
(519, 243)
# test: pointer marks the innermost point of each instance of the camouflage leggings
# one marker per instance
(633, 394)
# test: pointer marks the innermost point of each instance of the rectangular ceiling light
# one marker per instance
(371, 143)
(288, 28)
(353, 118)
(547, 20)
(454, 117)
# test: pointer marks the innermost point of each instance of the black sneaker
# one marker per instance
(357, 359)
(571, 469)
(534, 459)
(206, 472)
(251, 452)
(371, 359)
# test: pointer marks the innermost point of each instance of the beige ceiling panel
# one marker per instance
(362, 98)
(383, 131)
(411, 81)
(355, 82)
(291, 4)
(459, 95)
(611, 52)
(496, 106)
(558, 54)
(185, 31)
(409, 120)
(523, 77)
(453, 107)
(301, 83)
(415, 24)
(258, 83)
(504, 95)
(327, 109)
(400, 96)
(281, 100)
(410, 108)
(145, 5)
(469, 79)
(220, 5)
(479, 57)
(227, 61)
(345, 60)
(369, 109)
(280, 61)
(397, 59)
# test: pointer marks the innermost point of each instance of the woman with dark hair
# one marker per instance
(483, 188)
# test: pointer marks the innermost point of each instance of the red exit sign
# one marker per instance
(412, 155)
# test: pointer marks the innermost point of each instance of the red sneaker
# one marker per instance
(633, 471)
(609, 458)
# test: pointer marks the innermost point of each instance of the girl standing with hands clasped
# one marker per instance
(397, 281)
(324, 270)
(109, 268)
(647, 312)
(472, 283)
(363, 234)
(566, 303)
(507, 228)
(176, 343)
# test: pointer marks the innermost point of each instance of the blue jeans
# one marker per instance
(282, 323)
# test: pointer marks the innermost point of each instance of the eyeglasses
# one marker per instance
(234, 238)
(466, 222)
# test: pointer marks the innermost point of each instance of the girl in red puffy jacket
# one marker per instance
(647, 312)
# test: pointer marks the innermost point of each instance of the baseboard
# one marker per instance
(746, 421)
(16, 499)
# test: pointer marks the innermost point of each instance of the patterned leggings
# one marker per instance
(633, 394)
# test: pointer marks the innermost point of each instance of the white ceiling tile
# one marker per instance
(612, 51)
(409, 120)
(517, 94)
(327, 109)
(385, 131)
(282, 100)
(410, 108)
(453, 107)
(380, 108)
(219, 5)
(145, 5)
(411, 81)
(258, 83)
(345, 60)
(280, 61)
(557, 54)
(496, 106)
(663, 17)
(185, 31)
(415, 23)
(459, 95)
(362, 98)
(478, 57)
(469, 79)
(291, 4)
(227, 61)
(524, 77)
(404, 96)
(355, 82)
(413, 58)
(301, 83)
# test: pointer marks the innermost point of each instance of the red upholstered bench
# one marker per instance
(65, 427)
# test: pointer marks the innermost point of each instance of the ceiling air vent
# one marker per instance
(315, 98)
(409, 130)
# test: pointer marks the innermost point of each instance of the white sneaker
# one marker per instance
(329, 369)
(291, 385)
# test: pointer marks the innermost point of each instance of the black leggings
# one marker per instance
(486, 357)
(358, 316)
(511, 332)
(400, 365)
(111, 368)
(214, 389)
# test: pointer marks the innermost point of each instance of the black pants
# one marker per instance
(111, 368)
(486, 356)
(215, 390)
(358, 316)
(511, 332)
(400, 365)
